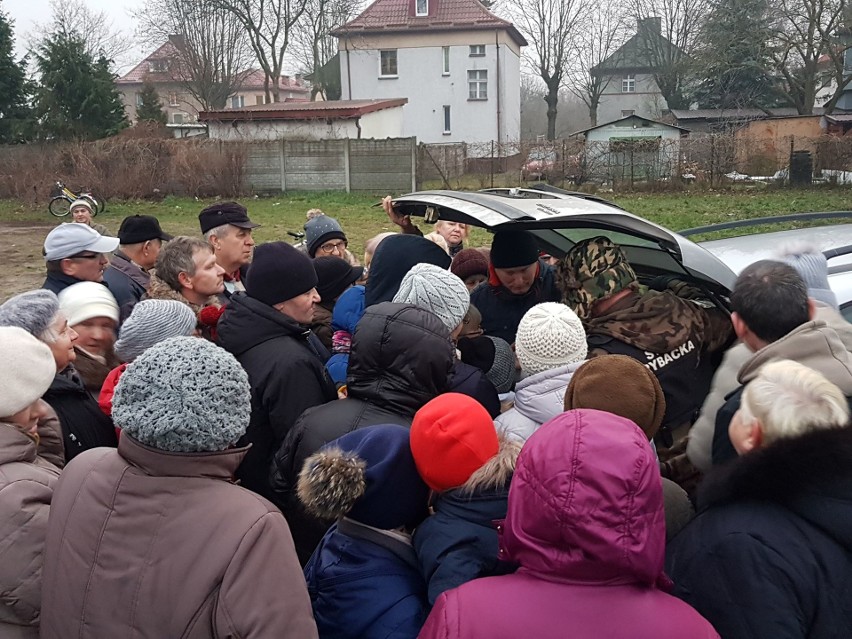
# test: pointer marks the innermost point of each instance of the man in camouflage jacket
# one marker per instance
(675, 333)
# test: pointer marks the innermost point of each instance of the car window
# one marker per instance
(846, 311)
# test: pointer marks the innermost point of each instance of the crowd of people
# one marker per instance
(200, 437)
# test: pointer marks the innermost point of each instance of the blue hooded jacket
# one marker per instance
(346, 315)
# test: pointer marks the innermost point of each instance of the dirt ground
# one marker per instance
(20, 255)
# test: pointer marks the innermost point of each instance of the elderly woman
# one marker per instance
(84, 426)
(26, 480)
(93, 314)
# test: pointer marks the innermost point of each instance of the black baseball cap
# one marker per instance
(141, 228)
(221, 213)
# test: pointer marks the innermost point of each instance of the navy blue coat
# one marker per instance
(459, 542)
(502, 312)
(770, 554)
(365, 585)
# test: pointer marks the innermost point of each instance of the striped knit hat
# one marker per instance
(150, 323)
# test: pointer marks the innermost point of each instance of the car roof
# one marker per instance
(561, 219)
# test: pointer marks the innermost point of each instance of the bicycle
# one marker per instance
(60, 203)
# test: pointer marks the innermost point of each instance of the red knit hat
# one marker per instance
(451, 437)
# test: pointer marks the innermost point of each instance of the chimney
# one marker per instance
(650, 26)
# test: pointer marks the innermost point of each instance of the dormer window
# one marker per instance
(422, 7)
(158, 66)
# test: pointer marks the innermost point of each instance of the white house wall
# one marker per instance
(379, 124)
(420, 79)
(646, 101)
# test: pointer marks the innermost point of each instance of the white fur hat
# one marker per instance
(550, 335)
(27, 372)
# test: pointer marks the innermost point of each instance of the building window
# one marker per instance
(238, 102)
(388, 63)
(626, 113)
(423, 7)
(158, 66)
(173, 99)
(445, 60)
(138, 100)
(177, 118)
(260, 99)
(628, 83)
(477, 84)
(477, 50)
(447, 128)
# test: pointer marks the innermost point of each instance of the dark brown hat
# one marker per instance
(620, 385)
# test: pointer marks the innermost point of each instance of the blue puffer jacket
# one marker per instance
(459, 542)
(346, 315)
(365, 584)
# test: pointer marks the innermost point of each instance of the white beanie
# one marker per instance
(436, 290)
(27, 372)
(85, 300)
(550, 335)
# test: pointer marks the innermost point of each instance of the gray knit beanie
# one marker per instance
(320, 230)
(436, 290)
(502, 372)
(150, 323)
(811, 264)
(33, 311)
(184, 395)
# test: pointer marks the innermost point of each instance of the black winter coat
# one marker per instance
(502, 312)
(286, 374)
(84, 425)
(770, 553)
(400, 359)
(471, 381)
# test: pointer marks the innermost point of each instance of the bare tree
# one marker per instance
(102, 38)
(806, 30)
(551, 28)
(313, 47)
(604, 32)
(268, 24)
(669, 32)
(211, 57)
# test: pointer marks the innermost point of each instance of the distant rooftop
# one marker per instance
(393, 16)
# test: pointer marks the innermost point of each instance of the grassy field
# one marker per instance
(24, 226)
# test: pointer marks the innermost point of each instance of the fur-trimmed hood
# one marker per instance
(497, 472)
(810, 475)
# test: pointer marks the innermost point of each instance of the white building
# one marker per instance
(332, 120)
(456, 62)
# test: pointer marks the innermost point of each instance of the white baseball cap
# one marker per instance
(71, 238)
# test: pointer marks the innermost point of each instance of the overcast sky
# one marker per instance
(26, 13)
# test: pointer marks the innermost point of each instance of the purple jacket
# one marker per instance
(585, 522)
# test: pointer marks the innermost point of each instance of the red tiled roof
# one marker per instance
(332, 109)
(253, 79)
(393, 16)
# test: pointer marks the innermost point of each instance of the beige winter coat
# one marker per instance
(148, 544)
(26, 488)
(725, 381)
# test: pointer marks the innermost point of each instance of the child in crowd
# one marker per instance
(468, 467)
(363, 578)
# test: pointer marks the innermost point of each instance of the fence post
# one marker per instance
(346, 164)
(283, 166)
(413, 141)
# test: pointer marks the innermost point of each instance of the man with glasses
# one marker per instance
(75, 253)
(324, 236)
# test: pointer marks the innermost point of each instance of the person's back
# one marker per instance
(589, 539)
(154, 539)
(770, 553)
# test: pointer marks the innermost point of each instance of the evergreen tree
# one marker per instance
(77, 97)
(733, 67)
(15, 114)
(150, 109)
